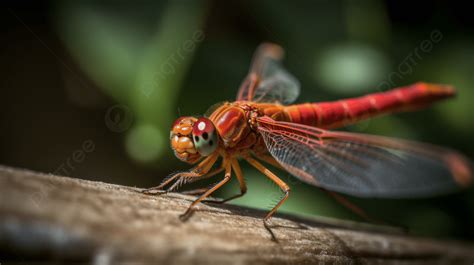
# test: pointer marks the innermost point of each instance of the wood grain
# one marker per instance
(45, 217)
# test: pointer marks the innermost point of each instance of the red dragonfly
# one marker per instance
(261, 125)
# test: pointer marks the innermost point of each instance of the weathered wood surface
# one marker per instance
(44, 217)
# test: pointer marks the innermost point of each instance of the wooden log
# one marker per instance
(50, 218)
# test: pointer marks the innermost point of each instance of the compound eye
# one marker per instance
(204, 136)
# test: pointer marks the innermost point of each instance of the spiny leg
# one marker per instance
(197, 172)
(242, 184)
(228, 170)
(200, 170)
(200, 191)
(283, 186)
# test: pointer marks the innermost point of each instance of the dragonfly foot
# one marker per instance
(186, 215)
(268, 228)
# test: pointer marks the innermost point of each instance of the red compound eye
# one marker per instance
(202, 127)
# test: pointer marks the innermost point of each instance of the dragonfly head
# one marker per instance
(192, 138)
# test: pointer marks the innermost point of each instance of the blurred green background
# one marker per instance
(118, 73)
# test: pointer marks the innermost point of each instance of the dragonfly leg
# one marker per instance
(283, 186)
(242, 184)
(200, 191)
(181, 177)
(228, 170)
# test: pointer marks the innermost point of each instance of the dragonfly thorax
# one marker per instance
(231, 122)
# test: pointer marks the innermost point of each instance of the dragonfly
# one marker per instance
(264, 127)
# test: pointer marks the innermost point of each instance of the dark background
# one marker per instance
(116, 74)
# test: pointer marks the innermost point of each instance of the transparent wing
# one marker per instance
(365, 165)
(267, 80)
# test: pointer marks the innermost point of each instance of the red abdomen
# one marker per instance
(347, 111)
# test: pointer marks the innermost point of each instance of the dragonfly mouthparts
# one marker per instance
(181, 140)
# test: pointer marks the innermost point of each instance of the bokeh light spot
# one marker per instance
(145, 143)
(350, 68)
